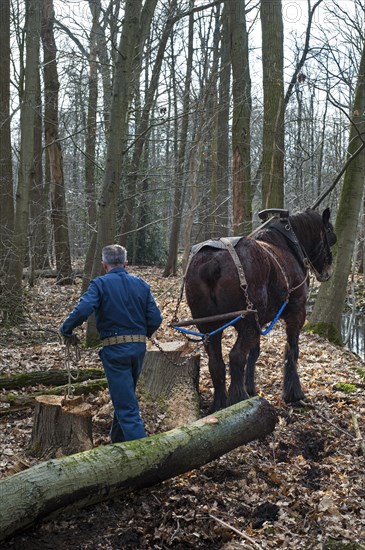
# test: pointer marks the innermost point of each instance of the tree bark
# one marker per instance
(105, 472)
(26, 165)
(6, 172)
(57, 189)
(173, 374)
(171, 264)
(61, 426)
(241, 132)
(273, 86)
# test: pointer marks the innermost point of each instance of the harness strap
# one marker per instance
(272, 255)
(237, 262)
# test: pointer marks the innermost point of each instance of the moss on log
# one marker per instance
(53, 377)
(104, 472)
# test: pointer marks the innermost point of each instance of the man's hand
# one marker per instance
(68, 339)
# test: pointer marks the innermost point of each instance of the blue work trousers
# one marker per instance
(122, 365)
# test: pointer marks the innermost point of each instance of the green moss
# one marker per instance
(325, 330)
(345, 387)
(332, 544)
(360, 372)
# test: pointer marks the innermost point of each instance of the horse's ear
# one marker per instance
(326, 216)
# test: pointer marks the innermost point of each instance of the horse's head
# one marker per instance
(317, 242)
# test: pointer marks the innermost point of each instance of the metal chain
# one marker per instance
(175, 363)
(71, 357)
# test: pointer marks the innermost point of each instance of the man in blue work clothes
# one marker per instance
(126, 313)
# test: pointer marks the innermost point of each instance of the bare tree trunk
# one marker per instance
(241, 133)
(26, 168)
(171, 264)
(273, 86)
(6, 172)
(142, 131)
(221, 177)
(57, 190)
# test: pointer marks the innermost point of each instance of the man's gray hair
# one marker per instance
(114, 254)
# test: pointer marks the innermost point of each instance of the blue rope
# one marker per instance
(203, 336)
(274, 321)
(207, 335)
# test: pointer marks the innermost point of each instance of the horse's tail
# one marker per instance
(210, 272)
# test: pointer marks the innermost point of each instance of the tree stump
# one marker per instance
(61, 426)
(173, 374)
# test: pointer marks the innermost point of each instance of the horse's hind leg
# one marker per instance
(292, 390)
(250, 370)
(237, 362)
(217, 371)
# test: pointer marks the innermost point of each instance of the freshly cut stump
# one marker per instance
(172, 373)
(61, 426)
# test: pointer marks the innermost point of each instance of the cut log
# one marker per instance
(105, 472)
(53, 377)
(172, 373)
(61, 426)
(83, 388)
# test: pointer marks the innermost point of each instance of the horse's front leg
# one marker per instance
(292, 390)
(217, 371)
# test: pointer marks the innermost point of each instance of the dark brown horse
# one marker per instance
(263, 273)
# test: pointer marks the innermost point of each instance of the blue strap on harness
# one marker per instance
(204, 336)
(220, 329)
(274, 321)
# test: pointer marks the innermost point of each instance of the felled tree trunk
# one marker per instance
(53, 377)
(61, 426)
(172, 373)
(105, 472)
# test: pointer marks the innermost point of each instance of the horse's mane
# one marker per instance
(306, 226)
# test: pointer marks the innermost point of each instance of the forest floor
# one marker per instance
(302, 487)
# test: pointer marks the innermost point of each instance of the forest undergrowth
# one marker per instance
(302, 487)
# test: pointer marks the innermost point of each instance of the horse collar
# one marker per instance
(284, 228)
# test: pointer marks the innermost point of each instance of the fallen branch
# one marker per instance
(358, 433)
(241, 533)
(107, 471)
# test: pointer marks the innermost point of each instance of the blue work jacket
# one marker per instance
(123, 304)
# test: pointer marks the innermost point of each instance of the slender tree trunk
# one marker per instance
(328, 308)
(90, 141)
(241, 135)
(142, 131)
(273, 87)
(6, 173)
(171, 264)
(53, 147)
(26, 165)
(221, 183)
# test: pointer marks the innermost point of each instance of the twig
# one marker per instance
(241, 533)
(358, 433)
(324, 418)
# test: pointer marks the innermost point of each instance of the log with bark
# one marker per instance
(52, 377)
(105, 472)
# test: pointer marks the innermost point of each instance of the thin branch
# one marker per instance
(241, 533)
(339, 176)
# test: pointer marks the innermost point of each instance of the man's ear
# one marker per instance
(126, 263)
